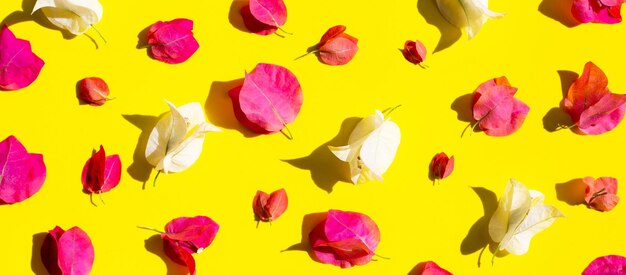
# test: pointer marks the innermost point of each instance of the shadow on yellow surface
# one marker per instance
(559, 10)
(308, 223)
(154, 245)
(571, 192)
(449, 34)
(234, 16)
(557, 117)
(36, 265)
(478, 235)
(140, 169)
(219, 107)
(326, 169)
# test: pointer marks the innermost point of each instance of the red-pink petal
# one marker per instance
(76, 253)
(194, 233)
(20, 66)
(270, 97)
(23, 173)
(101, 173)
(253, 25)
(441, 166)
(338, 50)
(240, 115)
(429, 268)
(269, 12)
(604, 115)
(331, 33)
(600, 194)
(606, 265)
(172, 41)
(179, 255)
(414, 51)
(277, 204)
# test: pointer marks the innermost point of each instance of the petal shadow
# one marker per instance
(234, 16)
(154, 245)
(449, 33)
(477, 237)
(325, 168)
(36, 264)
(219, 107)
(557, 117)
(308, 224)
(142, 39)
(571, 192)
(140, 169)
(559, 10)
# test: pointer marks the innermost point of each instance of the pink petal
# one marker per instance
(23, 173)
(429, 268)
(179, 255)
(270, 97)
(269, 12)
(20, 66)
(344, 225)
(253, 25)
(604, 115)
(498, 113)
(585, 91)
(348, 249)
(338, 51)
(606, 265)
(76, 253)
(172, 41)
(323, 254)
(196, 232)
(597, 11)
(112, 172)
(49, 251)
(258, 205)
(414, 51)
(240, 115)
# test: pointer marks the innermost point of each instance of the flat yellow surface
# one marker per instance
(418, 221)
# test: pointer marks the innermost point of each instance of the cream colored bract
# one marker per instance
(371, 148)
(176, 141)
(76, 16)
(469, 15)
(521, 214)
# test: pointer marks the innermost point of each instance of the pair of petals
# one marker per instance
(597, 11)
(495, 108)
(268, 207)
(371, 148)
(591, 105)
(345, 239)
(172, 42)
(67, 252)
(185, 236)
(601, 193)
(176, 141)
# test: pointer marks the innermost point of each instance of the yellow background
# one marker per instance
(418, 221)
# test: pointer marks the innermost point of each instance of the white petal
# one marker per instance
(193, 114)
(512, 207)
(74, 16)
(365, 127)
(469, 15)
(189, 150)
(379, 149)
(166, 135)
(538, 219)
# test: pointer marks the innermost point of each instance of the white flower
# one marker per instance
(371, 148)
(469, 15)
(176, 141)
(76, 16)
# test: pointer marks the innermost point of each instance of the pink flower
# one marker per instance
(597, 11)
(611, 264)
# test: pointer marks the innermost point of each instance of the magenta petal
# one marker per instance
(496, 109)
(23, 173)
(112, 172)
(269, 12)
(597, 11)
(253, 25)
(270, 97)
(49, 251)
(606, 265)
(345, 239)
(179, 255)
(76, 253)
(172, 41)
(197, 233)
(20, 66)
